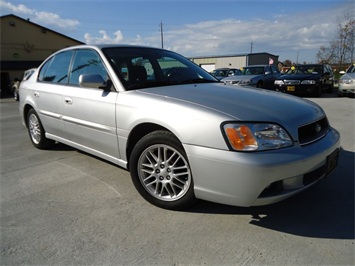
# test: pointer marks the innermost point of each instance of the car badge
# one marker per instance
(318, 128)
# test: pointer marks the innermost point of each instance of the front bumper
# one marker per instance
(298, 89)
(346, 89)
(259, 178)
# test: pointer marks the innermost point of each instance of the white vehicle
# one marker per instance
(347, 82)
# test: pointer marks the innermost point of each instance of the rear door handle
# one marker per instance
(68, 100)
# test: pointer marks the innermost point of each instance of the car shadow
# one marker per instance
(61, 147)
(324, 211)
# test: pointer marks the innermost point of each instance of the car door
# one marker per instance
(48, 93)
(269, 77)
(275, 72)
(89, 113)
(328, 78)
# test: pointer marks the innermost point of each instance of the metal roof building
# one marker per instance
(210, 63)
(25, 45)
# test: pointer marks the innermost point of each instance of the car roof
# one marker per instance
(102, 46)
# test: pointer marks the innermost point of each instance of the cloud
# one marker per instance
(117, 38)
(297, 33)
(104, 38)
(44, 18)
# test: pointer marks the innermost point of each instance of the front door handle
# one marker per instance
(68, 100)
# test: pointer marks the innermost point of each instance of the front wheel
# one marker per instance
(260, 84)
(160, 171)
(36, 131)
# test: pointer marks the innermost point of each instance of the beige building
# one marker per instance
(25, 45)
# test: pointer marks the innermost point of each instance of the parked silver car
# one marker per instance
(221, 73)
(16, 83)
(182, 134)
(260, 76)
(347, 82)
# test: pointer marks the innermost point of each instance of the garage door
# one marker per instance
(208, 67)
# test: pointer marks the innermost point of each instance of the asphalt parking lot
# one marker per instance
(65, 207)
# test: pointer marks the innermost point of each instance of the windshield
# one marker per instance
(252, 71)
(220, 72)
(351, 69)
(305, 70)
(139, 68)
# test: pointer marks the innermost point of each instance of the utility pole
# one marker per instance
(161, 35)
(251, 47)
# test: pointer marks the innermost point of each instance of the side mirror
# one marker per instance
(267, 72)
(94, 81)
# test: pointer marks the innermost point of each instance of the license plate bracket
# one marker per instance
(291, 88)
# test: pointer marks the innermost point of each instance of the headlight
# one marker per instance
(310, 82)
(279, 82)
(346, 81)
(256, 137)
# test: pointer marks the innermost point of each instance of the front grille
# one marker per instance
(312, 132)
(291, 82)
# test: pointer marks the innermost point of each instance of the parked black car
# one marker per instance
(310, 79)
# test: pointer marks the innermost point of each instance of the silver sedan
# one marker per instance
(182, 134)
(347, 82)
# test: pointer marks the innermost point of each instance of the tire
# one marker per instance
(317, 92)
(36, 131)
(260, 84)
(331, 87)
(160, 171)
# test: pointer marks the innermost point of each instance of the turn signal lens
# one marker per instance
(241, 138)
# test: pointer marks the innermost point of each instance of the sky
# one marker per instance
(290, 29)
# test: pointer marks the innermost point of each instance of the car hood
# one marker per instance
(299, 77)
(348, 76)
(240, 77)
(241, 103)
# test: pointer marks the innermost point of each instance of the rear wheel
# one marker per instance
(160, 171)
(36, 131)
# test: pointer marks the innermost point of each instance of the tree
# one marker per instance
(340, 50)
(287, 63)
